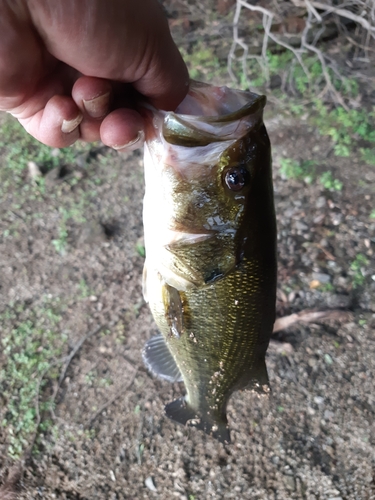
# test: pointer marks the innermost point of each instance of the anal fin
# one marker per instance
(159, 360)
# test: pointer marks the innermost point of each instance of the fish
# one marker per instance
(210, 242)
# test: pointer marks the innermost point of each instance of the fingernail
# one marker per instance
(140, 138)
(69, 126)
(98, 106)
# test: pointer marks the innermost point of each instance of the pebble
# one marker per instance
(149, 482)
(328, 359)
(290, 483)
(328, 415)
(320, 202)
(34, 170)
(321, 277)
(318, 400)
(301, 226)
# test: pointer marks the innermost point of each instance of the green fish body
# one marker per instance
(210, 239)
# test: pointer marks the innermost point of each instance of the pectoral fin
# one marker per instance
(159, 360)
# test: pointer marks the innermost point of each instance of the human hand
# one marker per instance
(76, 69)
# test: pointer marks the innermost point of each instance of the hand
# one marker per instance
(75, 69)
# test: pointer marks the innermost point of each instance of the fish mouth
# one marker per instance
(207, 116)
(196, 131)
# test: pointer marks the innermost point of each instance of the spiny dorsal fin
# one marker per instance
(159, 360)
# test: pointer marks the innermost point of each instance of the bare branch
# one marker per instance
(340, 12)
(309, 316)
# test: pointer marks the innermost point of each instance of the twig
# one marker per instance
(326, 75)
(74, 351)
(363, 47)
(340, 12)
(309, 316)
(267, 22)
(111, 400)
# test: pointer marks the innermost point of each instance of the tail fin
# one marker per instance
(180, 411)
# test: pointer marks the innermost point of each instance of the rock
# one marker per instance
(34, 170)
(290, 483)
(301, 226)
(321, 277)
(320, 202)
(149, 482)
(319, 400)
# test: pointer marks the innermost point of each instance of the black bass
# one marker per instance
(210, 239)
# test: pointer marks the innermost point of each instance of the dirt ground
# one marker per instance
(313, 438)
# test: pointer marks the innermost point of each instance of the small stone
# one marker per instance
(321, 277)
(328, 359)
(300, 226)
(328, 415)
(319, 400)
(150, 484)
(320, 202)
(34, 170)
(314, 284)
(290, 483)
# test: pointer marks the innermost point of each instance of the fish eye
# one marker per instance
(237, 178)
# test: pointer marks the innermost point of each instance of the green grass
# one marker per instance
(202, 63)
(358, 270)
(349, 129)
(31, 343)
(368, 155)
(328, 182)
(141, 251)
(19, 148)
(61, 241)
(72, 211)
(299, 170)
(306, 171)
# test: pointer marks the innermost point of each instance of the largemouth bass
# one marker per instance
(210, 240)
